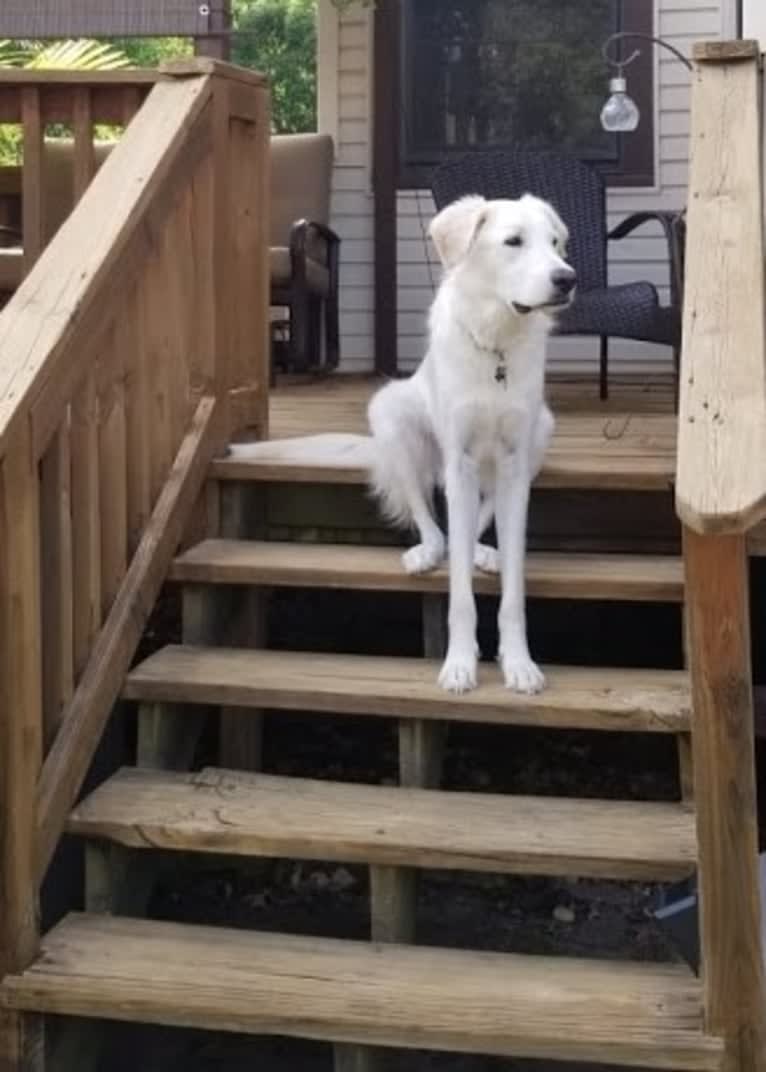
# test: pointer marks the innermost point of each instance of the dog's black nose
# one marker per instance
(564, 280)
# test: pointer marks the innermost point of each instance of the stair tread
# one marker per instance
(344, 458)
(578, 697)
(549, 574)
(246, 814)
(495, 1003)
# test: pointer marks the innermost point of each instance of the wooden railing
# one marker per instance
(76, 101)
(720, 495)
(135, 347)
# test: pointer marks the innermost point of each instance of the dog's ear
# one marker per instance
(455, 228)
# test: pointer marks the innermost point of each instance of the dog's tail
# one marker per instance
(392, 503)
(403, 466)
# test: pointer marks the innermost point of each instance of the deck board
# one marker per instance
(647, 1015)
(627, 442)
(626, 700)
(264, 815)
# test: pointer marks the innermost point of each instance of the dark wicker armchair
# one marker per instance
(629, 311)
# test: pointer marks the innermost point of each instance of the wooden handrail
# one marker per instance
(721, 475)
(43, 357)
(136, 345)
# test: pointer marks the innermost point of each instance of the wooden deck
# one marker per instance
(633, 433)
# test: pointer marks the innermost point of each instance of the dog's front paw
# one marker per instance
(521, 673)
(424, 557)
(486, 558)
(458, 674)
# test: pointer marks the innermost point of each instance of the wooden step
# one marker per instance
(263, 815)
(309, 565)
(656, 701)
(646, 1015)
(604, 463)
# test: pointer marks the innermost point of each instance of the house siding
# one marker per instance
(641, 256)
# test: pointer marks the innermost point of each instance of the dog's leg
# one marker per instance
(485, 556)
(458, 674)
(512, 499)
(541, 438)
(429, 553)
(404, 471)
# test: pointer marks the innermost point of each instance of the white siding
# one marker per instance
(641, 256)
(754, 20)
(350, 121)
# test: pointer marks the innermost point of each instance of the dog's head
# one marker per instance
(514, 250)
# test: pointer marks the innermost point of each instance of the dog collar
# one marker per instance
(500, 356)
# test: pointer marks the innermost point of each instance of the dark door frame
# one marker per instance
(385, 141)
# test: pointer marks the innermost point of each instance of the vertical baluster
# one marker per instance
(137, 420)
(56, 572)
(86, 521)
(131, 102)
(202, 354)
(33, 203)
(156, 346)
(20, 737)
(84, 158)
(113, 468)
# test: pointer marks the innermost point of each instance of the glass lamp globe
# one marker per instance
(620, 113)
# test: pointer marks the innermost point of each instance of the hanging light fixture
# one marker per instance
(620, 113)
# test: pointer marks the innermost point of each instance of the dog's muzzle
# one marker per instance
(564, 281)
(555, 305)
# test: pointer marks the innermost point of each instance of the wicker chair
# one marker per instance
(629, 311)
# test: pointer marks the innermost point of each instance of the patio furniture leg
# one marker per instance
(300, 330)
(316, 338)
(677, 379)
(604, 368)
(332, 331)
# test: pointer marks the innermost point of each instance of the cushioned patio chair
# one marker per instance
(304, 253)
(628, 311)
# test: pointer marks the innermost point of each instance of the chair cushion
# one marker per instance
(631, 311)
(317, 276)
(301, 172)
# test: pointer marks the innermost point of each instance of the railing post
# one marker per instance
(241, 131)
(725, 795)
(21, 718)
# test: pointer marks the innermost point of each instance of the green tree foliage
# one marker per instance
(278, 37)
(81, 55)
(152, 51)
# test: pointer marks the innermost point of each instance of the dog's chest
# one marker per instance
(489, 423)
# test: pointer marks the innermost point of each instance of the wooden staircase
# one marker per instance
(388, 992)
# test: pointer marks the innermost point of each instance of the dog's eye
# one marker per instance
(514, 241)
(555, 242)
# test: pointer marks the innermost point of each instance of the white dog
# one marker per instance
(473, 417)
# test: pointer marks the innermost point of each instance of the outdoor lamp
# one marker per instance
(620, 113)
